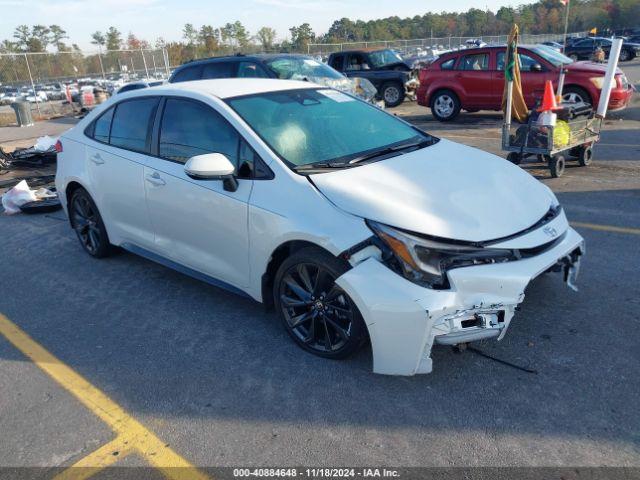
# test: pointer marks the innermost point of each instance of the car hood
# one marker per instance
(446, 190)
(589, 67)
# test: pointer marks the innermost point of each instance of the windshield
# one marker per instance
(297, 68)
(551, 55)
(313, 126)
(381, 58)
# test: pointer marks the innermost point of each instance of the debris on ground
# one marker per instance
(41, 154)
(22, 198)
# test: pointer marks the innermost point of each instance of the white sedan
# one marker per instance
(354, 225)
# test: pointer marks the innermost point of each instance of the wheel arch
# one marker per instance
(279, 255)
(588, 91)
(71, 188)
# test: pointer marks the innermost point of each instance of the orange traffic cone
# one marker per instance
(548, 100)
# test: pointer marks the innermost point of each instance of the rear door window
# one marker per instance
(103, 126)
(192, 128)
(448, 64)
(187, 74)
(219, 70)
(131, 125)
(477, 62)
(251, 70)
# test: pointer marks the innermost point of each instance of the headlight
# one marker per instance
(599, 82)
(426, 262)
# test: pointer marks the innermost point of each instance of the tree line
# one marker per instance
(543, 16)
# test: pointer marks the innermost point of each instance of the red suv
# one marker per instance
(473, 80)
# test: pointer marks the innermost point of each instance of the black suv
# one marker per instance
(583, 49)
(282, 66)
(384, 68)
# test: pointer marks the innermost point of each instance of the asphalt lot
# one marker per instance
(219, 383)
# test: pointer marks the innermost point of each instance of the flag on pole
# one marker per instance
(519, 109)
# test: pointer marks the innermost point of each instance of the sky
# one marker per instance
(150, 19)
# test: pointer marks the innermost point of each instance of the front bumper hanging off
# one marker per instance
(405, 320)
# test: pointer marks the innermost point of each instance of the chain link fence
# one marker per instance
(41, 78)
(410, 47)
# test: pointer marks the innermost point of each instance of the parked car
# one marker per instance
(583, 49)
(38, 96)
(281, 66)
(385, 69)
(558, 47)
(138, 85)
(475, 80)
(351, 223)
(54, 91)
(9, 95)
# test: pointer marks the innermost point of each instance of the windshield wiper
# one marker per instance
(320, 166)
(388, 150)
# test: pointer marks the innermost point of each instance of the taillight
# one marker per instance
(58, 146)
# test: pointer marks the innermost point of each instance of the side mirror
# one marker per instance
(212, 166)
(536, 67)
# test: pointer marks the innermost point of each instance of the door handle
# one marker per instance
(154, 179)
(97, 159)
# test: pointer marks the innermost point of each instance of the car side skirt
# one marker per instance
(154, 257)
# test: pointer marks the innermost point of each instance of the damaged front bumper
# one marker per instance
(405, 320)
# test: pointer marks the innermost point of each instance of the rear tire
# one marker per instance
(625, 55)
(318, 315)
(88, 225)
(445, 105)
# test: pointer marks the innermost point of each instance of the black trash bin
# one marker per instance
(23, 113)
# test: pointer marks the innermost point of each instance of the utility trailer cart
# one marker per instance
(552, 144)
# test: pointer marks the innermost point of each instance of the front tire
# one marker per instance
(315, 311)
(556, 165)
(392, 94)
(88, 225)
(585, 156)
(515, 158)
(445, 105)
(573, 94)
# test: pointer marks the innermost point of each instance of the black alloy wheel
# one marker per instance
(316, 312)
(87, 223)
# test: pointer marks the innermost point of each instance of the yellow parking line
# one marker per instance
(106, 455)
(127, 429)
(607, 228)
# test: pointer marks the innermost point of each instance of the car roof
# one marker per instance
(227, 87)
(471, 51)
(360, 50)
(239, 58)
